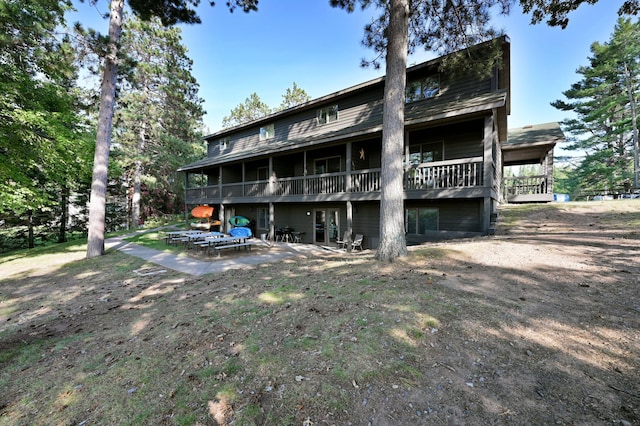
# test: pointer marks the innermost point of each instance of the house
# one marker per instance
(534, 145)
(315, 168)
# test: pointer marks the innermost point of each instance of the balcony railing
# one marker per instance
(526, 185)
(442, 174)
(446, 174)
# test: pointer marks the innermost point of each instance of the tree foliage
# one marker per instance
(557, 11)
(253, 108)
(293, 96)
(169, 12)
(604, 103)
(42, 140)
(445, 27)
(157, 116)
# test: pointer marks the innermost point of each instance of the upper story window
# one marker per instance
(223, 144)
(426, 153)
(326, 165)
(267, 132)
(327, 115)
(425, 88)
(263, 173)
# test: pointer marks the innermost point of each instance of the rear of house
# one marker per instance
(315, 168)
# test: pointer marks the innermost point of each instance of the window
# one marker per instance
(267, 132)
(425, 88)
(263, 173)
(224, 144)
(421, 220)
(327, 165)
(327, 115)
(426, 153)
(263, 218)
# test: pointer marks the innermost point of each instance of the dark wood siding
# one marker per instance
(454, 215)
(371, 150)
(461, 140)
(366, 219)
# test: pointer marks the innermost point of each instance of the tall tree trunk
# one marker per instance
(392, 237)
(30, 238)
(634, 121)
(97, 203)
(64, 207)
(137, 177)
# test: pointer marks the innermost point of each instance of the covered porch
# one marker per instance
(530, 145)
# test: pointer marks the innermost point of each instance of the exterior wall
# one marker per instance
(355, 110)
(467, 115)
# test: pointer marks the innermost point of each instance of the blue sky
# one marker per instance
(319, 48)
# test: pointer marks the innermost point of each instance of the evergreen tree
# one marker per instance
(604, 102)
(170, 12)
(437, 26)
(157, 115)
(252, 109)
(293, 96)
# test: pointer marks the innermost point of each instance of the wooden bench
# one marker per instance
(234, 245)
(222, 243)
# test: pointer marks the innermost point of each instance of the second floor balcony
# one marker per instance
(357, 184)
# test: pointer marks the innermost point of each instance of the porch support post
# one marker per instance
(272, 220)
(488, 172)
(304, 172)
(221, 217)
(349, 223)
(348, 170)
(186, 190)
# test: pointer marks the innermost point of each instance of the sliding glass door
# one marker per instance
(326, 225)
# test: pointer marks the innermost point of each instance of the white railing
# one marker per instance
(526, 185)
(330, 183)
(446, 174)
(440, 174)
(365, 181)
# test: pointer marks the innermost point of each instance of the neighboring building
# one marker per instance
(316, 167)
(531, 145)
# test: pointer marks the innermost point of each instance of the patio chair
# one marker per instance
(357, 242)
(345, 240)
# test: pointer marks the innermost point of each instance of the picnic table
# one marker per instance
(219, 243)
(179, 236)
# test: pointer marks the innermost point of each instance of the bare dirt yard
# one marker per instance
(539, 324)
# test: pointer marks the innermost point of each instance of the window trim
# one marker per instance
(323, 115)
(417, 218)
(266, 218)
(325, 159)
(223, 144)
(423, 87)
(267, 132)
(265, 169)
(421, 145)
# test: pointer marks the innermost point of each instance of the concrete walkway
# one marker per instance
(182, 263)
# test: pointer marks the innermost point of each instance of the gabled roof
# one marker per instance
(416, 113)
(531, 143)
(314, 103)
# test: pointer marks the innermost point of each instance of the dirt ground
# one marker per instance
(539, 324)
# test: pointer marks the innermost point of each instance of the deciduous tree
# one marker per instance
(41, 140)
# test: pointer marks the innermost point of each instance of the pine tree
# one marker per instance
(157, 116)
(604, 102)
